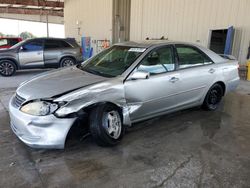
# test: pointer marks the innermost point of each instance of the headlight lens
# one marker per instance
(39, 108)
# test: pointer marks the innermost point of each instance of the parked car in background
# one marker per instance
(40, 53)
(7, 42)
(127, 83)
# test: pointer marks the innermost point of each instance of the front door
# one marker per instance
(147, 97)
(31, 54)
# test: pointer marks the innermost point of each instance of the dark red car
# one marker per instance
(7, 42)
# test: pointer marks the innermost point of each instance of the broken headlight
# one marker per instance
(39, 108)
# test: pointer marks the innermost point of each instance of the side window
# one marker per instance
(33, 46)
(54, 44)
(189, 57)
(158, 61)
(65, 44)
(12, 42)
(3, 42)
(51, 44)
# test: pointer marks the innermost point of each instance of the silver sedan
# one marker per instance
(127, 83)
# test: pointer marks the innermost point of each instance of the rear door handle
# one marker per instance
(211, 70)
(173, 79)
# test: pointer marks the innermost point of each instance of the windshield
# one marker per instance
(113, 61)
(3, 42)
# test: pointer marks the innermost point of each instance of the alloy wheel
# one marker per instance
(6, 68)
(112, 124)
(67, 63)
(214, 97)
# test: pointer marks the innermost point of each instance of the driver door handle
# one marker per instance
(211, 70)
(174, 79)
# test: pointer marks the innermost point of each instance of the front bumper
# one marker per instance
(39, 131)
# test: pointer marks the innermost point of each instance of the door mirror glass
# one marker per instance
(139, 75)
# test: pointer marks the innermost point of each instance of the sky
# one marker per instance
(15, 27)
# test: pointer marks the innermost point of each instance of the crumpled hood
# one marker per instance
(57, 82)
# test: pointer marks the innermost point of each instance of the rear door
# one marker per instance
(53, 50)
(196, 72)
(31, 54)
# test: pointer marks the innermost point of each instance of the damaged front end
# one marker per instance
(79, 102)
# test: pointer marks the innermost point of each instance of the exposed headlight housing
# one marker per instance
(39, 108)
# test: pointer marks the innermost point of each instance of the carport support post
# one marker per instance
(47, 24)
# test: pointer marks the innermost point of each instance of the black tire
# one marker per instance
(99, 126)
(7, 68)
(213, 97)
(67, 61)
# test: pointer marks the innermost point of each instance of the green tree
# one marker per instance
(26, 35)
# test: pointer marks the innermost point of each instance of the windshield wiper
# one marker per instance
(95, 72)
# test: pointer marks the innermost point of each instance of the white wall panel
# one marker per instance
(191, 20)
(94, 18)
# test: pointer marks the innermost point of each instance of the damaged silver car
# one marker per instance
(127, 83)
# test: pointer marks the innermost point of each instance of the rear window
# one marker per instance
(72, 41)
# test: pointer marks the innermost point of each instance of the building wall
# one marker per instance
(94, 18)
(191, 20)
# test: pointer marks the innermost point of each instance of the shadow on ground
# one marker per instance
(192, 148)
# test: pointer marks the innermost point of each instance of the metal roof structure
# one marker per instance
(33, 7)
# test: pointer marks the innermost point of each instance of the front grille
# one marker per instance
(18, 100)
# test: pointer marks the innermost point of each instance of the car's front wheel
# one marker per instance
(106, 125)
(213, 97)
(7, 68)
(67, 61)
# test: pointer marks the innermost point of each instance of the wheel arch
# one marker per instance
(84, 113)
(12, 60)
(67, 56)
(90, 107)
(223, 85)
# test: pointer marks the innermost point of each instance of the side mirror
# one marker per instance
(139, 75)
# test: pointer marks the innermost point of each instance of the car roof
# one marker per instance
(154, 43)
(145, 43)
(150, 43)
(43, 38)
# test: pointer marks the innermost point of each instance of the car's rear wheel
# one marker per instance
(106, 125)
(7, 68)
(67, 61)
(213, 97)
